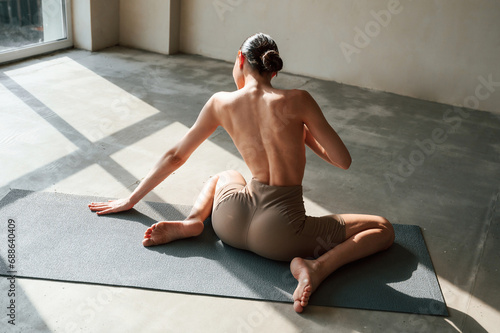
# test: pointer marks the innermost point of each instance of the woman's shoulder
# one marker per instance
(225, 96)
(221, 99)
(292, 93)
(299, 93)
(297, 97)
(293, 96)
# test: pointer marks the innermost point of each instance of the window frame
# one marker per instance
(45, 47)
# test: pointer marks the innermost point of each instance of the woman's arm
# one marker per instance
(311, 142)
(204, 126)
(320, 136)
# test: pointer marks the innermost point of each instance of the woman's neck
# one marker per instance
(256, 80)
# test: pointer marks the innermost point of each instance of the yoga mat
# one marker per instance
(58, 238)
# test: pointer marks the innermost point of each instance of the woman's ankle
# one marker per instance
(193, 227)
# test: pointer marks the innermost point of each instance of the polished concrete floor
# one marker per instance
(94, 123)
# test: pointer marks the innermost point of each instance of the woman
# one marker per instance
(270, 128)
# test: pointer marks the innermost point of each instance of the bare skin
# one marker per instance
(270, 127)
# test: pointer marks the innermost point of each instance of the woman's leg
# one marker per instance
(168, 231)
(365, 235)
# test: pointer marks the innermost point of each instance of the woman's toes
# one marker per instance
(147, 242)
(297, 306)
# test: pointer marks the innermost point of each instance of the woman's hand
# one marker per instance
(112, 206)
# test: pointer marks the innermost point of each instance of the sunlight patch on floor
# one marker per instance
(91, 104)
(92, 181)
(27, 141)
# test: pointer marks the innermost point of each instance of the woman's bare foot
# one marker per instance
(168, 231)
(308, 277)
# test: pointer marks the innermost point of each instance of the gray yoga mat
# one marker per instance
(58, 238)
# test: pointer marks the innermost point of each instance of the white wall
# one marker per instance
(438, 50)
(95, 23)
(151, 25)
(82, 32)
(105, 23)
(146, 24)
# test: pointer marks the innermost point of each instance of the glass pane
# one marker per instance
(31, 22)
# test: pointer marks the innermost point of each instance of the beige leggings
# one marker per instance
(271, 221)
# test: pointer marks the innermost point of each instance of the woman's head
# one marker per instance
(261, 52)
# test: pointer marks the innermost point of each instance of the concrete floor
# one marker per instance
(94, 123)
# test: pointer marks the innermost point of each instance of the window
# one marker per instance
(30, 27)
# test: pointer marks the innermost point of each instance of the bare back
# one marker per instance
(270, 127)
(268, 130)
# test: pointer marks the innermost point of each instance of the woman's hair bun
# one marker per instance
(262, 53)
(272, 61)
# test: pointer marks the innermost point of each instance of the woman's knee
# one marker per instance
(387, 230)
(230, 176)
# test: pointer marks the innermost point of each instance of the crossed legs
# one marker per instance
(365, 235)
